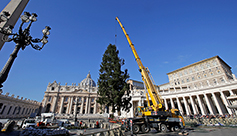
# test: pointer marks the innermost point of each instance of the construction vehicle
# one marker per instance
(155, 115)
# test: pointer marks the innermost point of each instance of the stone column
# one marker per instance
(231, 92)
(186, 106)
(172, 103)
(193, 105)
(217, 104)
(86, 110)
(166, 104)
(54, 103)
(179, 105)
(70, 105)
(95, 106)
(225, 102)
(61, 105)
(82, 105)
(3, 111)
(200, 105)
(75, 106)
(89, 105)
(210, 107)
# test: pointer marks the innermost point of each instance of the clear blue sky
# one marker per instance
(167, 34)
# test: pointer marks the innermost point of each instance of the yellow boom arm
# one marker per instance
(157, 102)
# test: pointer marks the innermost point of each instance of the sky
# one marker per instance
(167, 34)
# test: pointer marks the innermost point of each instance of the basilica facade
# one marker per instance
(71, 99)
(205, 87)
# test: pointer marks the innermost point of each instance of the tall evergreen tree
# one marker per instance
(113, 90)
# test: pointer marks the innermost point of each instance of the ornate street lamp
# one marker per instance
(75, 118)
(22, 39)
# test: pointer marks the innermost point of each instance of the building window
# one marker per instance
(218, 71)
(187, 79)
(92, 99)
(52, 88)
(64, 109)
(205, 75)
(199, 77)
(208, 65)
(182, 81)
(79, 99)
(201, 66)
(222, 80)
(193, 78)
(92, 109)
(214, 62)
(66, 98)
(212, 73)
(190, 70)
(196, 68)
(214, 81)
(84, 100)
(185, 72)
(49, 98)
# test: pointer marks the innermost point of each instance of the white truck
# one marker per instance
(26, 123)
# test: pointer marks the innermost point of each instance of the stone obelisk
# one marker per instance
(15, 8)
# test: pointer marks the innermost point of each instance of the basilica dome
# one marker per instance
(88, 81)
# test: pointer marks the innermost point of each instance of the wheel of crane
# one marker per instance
(163, 128)
(136, 129)
(145, 129)
(176, 128)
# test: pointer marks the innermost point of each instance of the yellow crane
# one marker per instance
(157, 102)
(154, 116)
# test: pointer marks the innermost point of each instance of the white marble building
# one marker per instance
(204, 87)
(11, 107)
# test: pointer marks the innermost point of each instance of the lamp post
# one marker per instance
(75, 119)
(22, 39)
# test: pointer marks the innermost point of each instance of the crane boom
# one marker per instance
(155, 97)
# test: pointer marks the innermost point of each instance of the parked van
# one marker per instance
(28, 123)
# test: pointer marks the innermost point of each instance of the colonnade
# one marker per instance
(9, 110)
(200, 103)
(71, 105)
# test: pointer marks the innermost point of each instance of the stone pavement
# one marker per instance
(202, 131)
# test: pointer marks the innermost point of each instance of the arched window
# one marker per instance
(48, 108)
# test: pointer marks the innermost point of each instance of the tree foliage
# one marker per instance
(113, 90)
